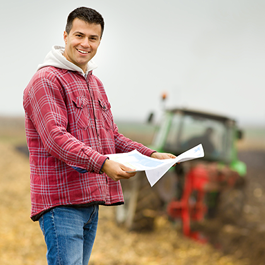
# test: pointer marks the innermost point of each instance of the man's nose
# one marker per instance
(85, 42)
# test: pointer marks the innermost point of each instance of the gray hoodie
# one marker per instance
(55, 58)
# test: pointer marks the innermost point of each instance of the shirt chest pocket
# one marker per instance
(81, 112)
(106, 115)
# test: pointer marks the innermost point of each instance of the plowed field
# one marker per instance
(21, 241)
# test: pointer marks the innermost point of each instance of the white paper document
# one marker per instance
(154, 168)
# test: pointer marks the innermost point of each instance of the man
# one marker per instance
(69, 130)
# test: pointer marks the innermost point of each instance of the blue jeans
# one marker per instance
(69, 234)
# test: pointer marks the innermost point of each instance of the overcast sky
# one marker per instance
(206, 54)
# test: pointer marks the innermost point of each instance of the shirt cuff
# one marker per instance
(100, 171)
(153, 152)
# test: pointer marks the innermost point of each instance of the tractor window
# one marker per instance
(187, 131)
(173, 133)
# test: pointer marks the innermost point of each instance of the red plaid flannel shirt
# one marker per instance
(69, 123)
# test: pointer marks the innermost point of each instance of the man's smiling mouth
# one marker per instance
(84, 52)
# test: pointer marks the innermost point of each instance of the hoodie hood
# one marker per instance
(55, 58)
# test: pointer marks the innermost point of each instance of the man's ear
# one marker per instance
(65, 37)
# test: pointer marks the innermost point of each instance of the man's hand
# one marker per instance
(117, 171)
(162, 155)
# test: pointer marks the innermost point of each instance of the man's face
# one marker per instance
(82, 42)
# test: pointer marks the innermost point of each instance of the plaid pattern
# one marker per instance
(69, 124)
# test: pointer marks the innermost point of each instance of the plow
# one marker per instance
(194, 205)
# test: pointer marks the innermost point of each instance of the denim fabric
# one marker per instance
(69, 234)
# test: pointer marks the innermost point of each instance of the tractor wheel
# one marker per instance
(140, 204)
(230, 206)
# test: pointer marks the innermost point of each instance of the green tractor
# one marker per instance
(195, 190)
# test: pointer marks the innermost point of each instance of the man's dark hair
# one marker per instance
(86, 14)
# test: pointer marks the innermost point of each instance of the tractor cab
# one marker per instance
(182, 129)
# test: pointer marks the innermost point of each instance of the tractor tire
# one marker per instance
(140, 204)
(230, 205)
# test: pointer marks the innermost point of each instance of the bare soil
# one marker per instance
(247, 238)
(21, 241)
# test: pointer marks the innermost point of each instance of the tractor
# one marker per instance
(192, 191)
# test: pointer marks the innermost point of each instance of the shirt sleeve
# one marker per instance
(81, 170)
(44, 105)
